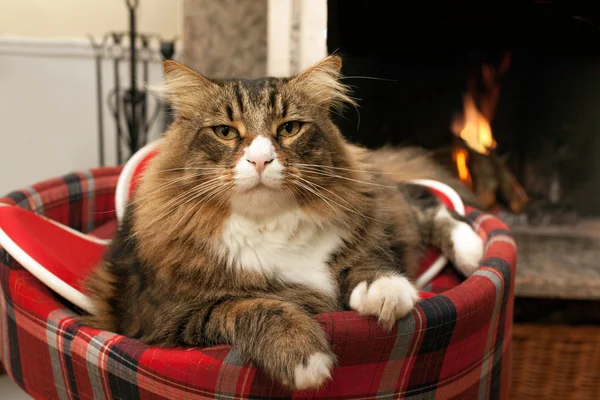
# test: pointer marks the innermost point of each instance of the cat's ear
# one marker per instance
(321, 81)
(184, 88)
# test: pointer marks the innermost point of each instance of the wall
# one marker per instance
(296, 35)
(240, 38)
(77, 18)
(48, 120)
(226, 38)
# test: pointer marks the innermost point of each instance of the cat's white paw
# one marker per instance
(389, 298)
(314, 372)
(468, 248)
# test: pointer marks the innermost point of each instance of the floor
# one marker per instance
(10, 391)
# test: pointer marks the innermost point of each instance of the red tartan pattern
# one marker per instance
(453, 345)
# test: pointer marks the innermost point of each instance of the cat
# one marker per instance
(257, 214)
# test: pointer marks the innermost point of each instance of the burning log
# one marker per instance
(485, 181)
(514, 194)
(488, 176)
(477, 164)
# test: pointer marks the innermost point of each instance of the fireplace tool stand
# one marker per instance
(128, 100)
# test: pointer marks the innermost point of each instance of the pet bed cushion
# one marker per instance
(452, 344)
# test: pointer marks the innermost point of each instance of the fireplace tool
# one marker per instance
(128, 100)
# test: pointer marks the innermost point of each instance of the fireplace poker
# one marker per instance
(98, 48)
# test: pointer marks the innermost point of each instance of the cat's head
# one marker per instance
(258, 145)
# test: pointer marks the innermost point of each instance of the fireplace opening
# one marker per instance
(507, 96)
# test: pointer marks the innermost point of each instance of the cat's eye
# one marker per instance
(226, 132)
(289, 129)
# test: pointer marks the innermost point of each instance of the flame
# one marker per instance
(460, 156)
(474, 128)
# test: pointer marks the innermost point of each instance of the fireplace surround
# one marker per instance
(410, 68)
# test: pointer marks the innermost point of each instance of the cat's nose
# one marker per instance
(260, 162)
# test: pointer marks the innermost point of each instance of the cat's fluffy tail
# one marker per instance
(407, 163)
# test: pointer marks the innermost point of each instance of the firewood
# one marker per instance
(485, 181)
(514, 194)
(489, 177)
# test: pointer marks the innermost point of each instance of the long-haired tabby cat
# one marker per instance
(257, 214)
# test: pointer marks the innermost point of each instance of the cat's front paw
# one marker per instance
(314, 372)
(389, 298)
(468, 248)
(299, 361)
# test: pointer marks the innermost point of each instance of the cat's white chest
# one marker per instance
(293, 248)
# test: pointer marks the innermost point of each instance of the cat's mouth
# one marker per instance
(261, 200)
(261, 185)
(259, 182)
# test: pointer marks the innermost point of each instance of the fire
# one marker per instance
(474, 128)
(477, 165)
(460, 159)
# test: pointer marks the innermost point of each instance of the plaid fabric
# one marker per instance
(81, 200)
(453, 345)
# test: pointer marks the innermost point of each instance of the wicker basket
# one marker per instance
(555, 362)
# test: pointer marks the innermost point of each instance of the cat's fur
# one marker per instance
(207, 255)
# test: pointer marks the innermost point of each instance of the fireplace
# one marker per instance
(532, 72)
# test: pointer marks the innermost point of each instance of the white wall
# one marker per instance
(77, 18)
(296, 35)
(48, 122)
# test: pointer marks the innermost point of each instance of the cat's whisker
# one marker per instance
(201, 190)
(199, 203)
(370, 77)
(217, 191)
(204, 190)
(193, 193)
(187, 169)
(332, 175)
(225, 198)
(319, 167)
(190, 191)
(196, 175)
(157, 189)
(352, 207)
(353, 210)
(317, 186)
(168, 184)
(294, 190)
(167, 208)
(325, 199)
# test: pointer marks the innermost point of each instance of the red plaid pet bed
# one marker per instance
(453, 345)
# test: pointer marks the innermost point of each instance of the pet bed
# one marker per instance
(455, 343)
